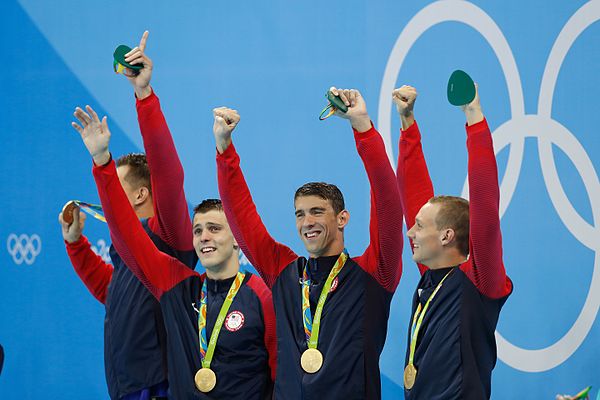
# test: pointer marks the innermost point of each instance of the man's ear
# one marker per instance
(343, 218)
(447, 236)
(143, 193)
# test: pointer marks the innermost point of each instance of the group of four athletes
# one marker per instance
(309, 327)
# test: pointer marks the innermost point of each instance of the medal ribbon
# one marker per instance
(416, 324)
(207, 349)
(312, 326)
(329, 109)
(92, 209)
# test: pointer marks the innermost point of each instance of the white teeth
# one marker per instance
(207, 249)
(311, 235)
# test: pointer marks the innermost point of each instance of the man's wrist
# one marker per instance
(407, 120)
(361, 124)
(102, 158)
(142, 93)
(474, 115)
(223, 144)
(72, 240)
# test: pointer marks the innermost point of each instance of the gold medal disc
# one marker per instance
(205, 379)
(311, 360)
(68, 210)
(410, 374)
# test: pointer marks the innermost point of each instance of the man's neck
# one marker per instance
(448, 261)
(334, 250)
(221, 272)
(144, 211)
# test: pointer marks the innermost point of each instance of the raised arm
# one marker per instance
(172, 220)
(264, 253)
(92, 270)
(383, 257)
(156, 270)
(485, 267)
(412, 174)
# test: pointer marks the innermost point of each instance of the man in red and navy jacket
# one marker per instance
(355, 313)
(458, 247)
(135, 356)
(244, 351)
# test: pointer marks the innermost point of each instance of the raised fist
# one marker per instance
(226, 119)
(404, 99)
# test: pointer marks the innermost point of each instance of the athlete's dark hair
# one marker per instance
(139, 173)
(326, 191)
(453, 213)
(208, 205)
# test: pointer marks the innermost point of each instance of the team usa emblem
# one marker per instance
(234, 321)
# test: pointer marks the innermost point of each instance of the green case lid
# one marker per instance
(119, 56)
(461, 88)
(336, 101)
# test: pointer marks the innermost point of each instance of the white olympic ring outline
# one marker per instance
(540, 126)
(103, 250)
(24, 248)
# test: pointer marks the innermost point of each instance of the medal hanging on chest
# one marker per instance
(312, 359)
(410, 372)
(205, 378)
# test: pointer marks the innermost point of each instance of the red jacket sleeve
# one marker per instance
(266, 301)
(485, 267)
(172, 222)
(413, 177)
(92, 270)
(383, 257)
(158, 271)
(264, 253)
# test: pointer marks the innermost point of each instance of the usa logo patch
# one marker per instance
(234, 321)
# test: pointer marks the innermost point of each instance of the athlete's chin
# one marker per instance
(314, 249)
(210, 260)
(417, 258)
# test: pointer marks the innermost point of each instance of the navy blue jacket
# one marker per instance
(456, 347)
(241, 358)
(351, 338)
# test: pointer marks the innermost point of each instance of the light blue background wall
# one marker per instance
(273, 61)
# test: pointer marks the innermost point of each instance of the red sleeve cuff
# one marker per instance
(411, 132)
(480, 127)
(366, 134)
(150, 99)
(81, 242)
(102, 167)
(229, 155)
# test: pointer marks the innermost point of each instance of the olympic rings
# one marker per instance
(24, 248)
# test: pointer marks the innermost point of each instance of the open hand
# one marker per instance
(94, 133)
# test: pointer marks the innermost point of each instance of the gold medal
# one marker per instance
(311, 360)
(410, 374)
(205, 379)
(68, 210)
